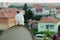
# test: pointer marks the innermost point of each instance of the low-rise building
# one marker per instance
(7, 17)
(48, 23)
(58, 14)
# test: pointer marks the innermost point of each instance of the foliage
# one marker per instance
(25, 7)
(49, 33)
(44, 37)
(36, 32)
(1, 31)
(18, 7)
(29, 14)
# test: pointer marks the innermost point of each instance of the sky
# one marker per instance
(31, 4)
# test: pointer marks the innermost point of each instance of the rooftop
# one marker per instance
(8, 12)
(48, 20)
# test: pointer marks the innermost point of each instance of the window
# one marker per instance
(49, 26)
(53, 10)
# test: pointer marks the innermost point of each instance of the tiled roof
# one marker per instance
(48, 19)
(37, 6)
(2, 15)
(8, 12)
(58, 11)
(52, 6)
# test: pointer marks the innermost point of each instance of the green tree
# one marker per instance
(49, 14)
(29, 14)
(25, 7)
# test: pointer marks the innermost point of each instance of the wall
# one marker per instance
(7, 23)
(3, 20)
(56, 26)
(11, 21)
(58, 15)
(42, 26)
(3, 26)
(3, 23)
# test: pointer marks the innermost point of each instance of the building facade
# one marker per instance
(48, 23)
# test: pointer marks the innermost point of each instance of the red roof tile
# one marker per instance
(8, 12)
(52, 6)
(2, 15)
(37, 6)
(48, 19)
(58, 11)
